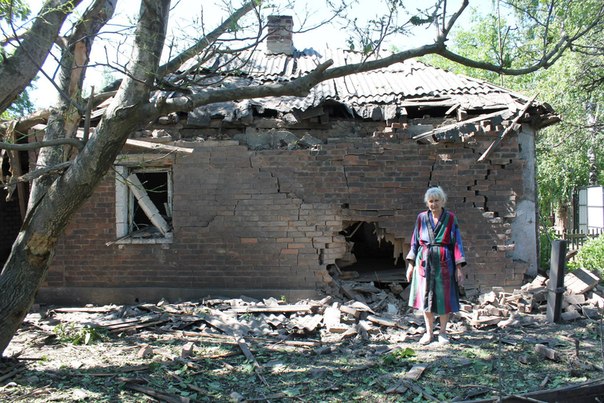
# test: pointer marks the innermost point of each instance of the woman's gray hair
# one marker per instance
(437, 192)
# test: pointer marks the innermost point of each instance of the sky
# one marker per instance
(187, 14)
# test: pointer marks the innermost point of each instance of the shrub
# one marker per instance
(590, 256)
(78, 335)
(546, 236)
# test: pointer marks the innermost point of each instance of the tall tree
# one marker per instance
(72, 179)
(572, 86)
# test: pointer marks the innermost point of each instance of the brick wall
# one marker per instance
(269, 220)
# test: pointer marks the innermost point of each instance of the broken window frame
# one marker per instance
(129, 191)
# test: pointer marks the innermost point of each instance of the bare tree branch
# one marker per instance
(447, 29)
(297, 87)
(40, 144)
(65, 117)
(38, 173)
(545, 62)
(207, 40)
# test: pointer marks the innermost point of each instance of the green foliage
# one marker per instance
(590, 257)
(418, 20)
(546, 236)
(78, 335)
(12, 12)
(13, 9)
(513, 39)
(398, 355)
(20, 107)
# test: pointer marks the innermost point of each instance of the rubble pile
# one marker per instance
(358, 310)
(371, 315)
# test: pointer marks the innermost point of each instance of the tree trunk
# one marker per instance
(65, 116)
(17, 71)
(48, 216)
(561, 218)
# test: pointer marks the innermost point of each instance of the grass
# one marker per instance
(479, 363)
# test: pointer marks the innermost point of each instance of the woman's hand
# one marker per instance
(459, 275)
(409, 273)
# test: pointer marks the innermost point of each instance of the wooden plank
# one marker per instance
(415, 372)
(90, 309)
(338, 328)
(138, 190)
(161, 396)
(331, 317)
(273, 309)
(547, 352)
(585, 392)
(382, 321)
(556, 281)
(508, 130)
(137, 326)
(580, 281)
(158, 146)
(444, 129)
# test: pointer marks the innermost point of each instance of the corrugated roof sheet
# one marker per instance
(397, 84)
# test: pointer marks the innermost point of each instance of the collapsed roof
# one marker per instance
(384, 94)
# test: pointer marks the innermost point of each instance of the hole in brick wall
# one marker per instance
(368, 253)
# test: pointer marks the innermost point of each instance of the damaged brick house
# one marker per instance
(274, 196)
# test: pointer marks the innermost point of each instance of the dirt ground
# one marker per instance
(175, 353)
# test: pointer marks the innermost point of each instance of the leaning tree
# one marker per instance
(64, 179)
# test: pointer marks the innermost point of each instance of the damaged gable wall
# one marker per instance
(269, 222)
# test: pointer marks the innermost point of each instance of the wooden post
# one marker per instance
(138, 190)
(556, 281)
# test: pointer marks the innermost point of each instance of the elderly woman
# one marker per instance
(434, 264)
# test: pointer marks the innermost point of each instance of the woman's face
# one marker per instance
(435, 204)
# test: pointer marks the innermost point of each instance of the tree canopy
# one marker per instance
(572, 86)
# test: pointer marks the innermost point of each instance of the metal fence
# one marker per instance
(575, 239)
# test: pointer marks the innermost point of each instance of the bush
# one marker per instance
(78, 335)
(546, 236)
(590, 257)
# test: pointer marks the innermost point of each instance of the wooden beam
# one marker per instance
(508, 129)
(16, 172)
(149, 145)
(273, 309)
(158, 146)
(137, 188)
(443, 129)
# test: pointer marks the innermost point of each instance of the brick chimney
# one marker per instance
(279, 39)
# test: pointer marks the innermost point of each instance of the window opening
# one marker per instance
(144, 204)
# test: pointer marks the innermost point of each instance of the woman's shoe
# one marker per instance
(426, 339)
(443, 339)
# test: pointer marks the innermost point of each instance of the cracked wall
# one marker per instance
(263, 222)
